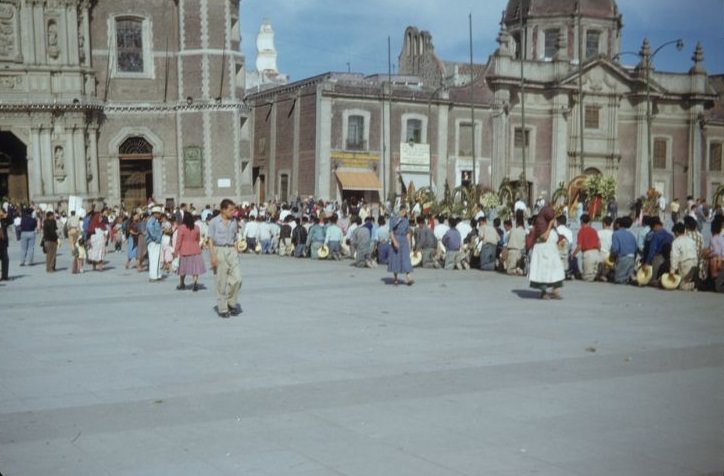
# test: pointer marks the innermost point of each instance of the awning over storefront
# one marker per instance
(359, 181)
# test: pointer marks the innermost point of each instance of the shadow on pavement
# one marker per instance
(526, 293)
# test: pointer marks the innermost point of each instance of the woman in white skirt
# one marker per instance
(546, 268)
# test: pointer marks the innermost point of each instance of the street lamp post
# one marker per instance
(646, 61)
(429, 125)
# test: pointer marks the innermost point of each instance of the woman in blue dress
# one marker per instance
(400, 236)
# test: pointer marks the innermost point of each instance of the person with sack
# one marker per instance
(546, 268)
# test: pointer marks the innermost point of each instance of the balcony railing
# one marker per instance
(356, 145)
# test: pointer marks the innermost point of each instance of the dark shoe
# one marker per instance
(195, 287)
(224, 315)
(235, 311)
(22, 264)
(180, 287)
(410, 282)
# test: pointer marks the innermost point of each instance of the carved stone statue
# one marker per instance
(59, 160)
(53, 49)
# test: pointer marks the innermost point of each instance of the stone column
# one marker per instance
(323, 164)
(39, 23)
(271, 179)
(80, 171)
(696, 152)
(559, 142)
(641, 169)
(34, 168)
(73, 166)
(45, 162)
(93, 185)
(442, 149)
(501, 125)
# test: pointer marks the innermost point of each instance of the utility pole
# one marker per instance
(582, 112)
(523, 51)
(472, 104)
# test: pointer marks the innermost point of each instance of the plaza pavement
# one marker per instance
(331, 371)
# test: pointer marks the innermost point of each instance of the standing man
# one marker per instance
(225, 260)
(153, 244)
(50, 241)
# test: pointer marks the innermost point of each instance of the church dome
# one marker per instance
(557, 8)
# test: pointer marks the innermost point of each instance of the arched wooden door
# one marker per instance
(136, 171)
(13, 169)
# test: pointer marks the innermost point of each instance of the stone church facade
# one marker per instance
(339, 134)
(121, 101)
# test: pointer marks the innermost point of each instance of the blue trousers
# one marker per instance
(27, 247)
(383, 253)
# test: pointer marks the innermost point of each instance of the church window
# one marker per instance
(414, 131)
(592, 119)
(715, 157)
(465, 142)
(660, 153)
(551, 43)
(129, 45)
(356, 133)
(592, 43)
(519, 138)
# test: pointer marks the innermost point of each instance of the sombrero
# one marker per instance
(610, 262)
(644, 275)
(671, 281)
(345, 249)
(241, 246)
(323, 252)
(290, 249)
(257, 249)
(416, 258)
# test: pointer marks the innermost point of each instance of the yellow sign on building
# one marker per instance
(354, 159)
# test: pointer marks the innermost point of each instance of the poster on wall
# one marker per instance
(75, 203)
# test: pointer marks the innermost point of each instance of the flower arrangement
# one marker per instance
(490, 201)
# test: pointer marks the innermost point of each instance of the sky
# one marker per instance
(318, 36)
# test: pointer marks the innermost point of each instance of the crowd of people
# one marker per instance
(161, 241)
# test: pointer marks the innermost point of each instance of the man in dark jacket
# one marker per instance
(50, 241)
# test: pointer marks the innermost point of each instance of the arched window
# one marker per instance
(135, 146)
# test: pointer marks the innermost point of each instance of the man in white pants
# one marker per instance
(153, 244)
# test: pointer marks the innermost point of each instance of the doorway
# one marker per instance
(13, 169)
(136, 172)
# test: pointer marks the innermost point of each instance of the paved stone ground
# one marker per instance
(330, 371)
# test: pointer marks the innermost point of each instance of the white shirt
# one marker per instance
(566, 233)
(682, 249)
(251, 230)
(440, 230)
(265, 231)
(464, 228)
(606, 239)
